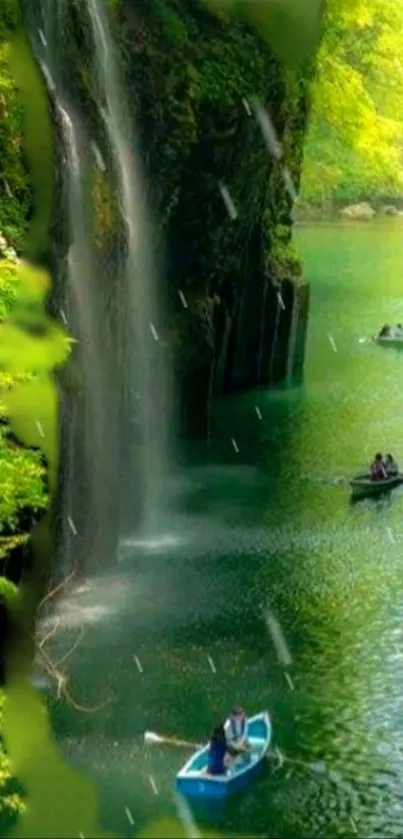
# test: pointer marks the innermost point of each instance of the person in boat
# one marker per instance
(378, 471)
(218, 752)
(236, 731)
(391, 466)
(385, 331)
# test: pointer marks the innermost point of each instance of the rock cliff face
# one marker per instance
(193, 76)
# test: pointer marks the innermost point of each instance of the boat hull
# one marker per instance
(397, 343)
(363, 487)
(193, 782)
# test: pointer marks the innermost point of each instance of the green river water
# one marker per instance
(269, 526)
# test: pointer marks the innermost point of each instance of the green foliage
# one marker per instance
(355, 142)
(14, 207)
(284, 259)
(7, 589)
(22, 475)
(8, 286)
(11, 802)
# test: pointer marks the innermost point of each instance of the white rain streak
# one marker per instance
(72, 525)
(280, 301)
(247, 107)
(42, 37)
(289, 184)
(138, 663)
(211, 663)
(230, 206)
(353, 824)
(81, 835)
(98, 157)
(290, 681)
(279, 642)
(235, 445)
(332, 342)
(153, 785)
(268, 130)
(48, 77)
(280, 758)
(154, 332)
(7, 188)
(391, 536)
(40, 428)
(185, 815)
(183, 299)
(63, 316)
(258, 414)
(130, 818)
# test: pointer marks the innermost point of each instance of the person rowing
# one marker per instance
(391, 466)
(236, 729)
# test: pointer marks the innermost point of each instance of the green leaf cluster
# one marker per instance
(11, 801)
(354, 148)
(15, 192)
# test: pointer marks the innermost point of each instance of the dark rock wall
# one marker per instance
(190, 73)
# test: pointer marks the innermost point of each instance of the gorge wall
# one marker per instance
(237, 305)
(192, 76)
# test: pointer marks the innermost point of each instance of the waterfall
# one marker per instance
(90, 454)
(115, 415)
(145, 385)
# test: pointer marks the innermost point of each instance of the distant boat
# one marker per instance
(192, 780)
(392, 340)
(362, 486)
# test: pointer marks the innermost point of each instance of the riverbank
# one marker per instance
(361, 211)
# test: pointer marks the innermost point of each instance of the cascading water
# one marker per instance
(90, 421)
(114, 440)
(145, 375)
(91, 448)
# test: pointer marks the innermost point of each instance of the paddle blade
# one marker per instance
(150, 737)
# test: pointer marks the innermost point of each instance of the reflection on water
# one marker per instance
(269, 527)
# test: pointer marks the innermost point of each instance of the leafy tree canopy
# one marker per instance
(355, 142)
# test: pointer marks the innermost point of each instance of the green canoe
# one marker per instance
(389, 342)
(362, 486)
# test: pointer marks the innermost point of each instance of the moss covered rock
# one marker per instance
(15, 190)
(224, 202)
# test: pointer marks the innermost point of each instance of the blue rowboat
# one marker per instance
(194, 782)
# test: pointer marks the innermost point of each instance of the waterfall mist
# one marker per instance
(115, 415)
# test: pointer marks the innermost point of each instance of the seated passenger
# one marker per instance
(378, 471)
(391, 466)
(217, 752)
(385, 331)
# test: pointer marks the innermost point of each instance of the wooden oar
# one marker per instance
(319, 767)
(151, 737)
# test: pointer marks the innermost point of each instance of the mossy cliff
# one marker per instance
(22, 473)
(193, 76)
